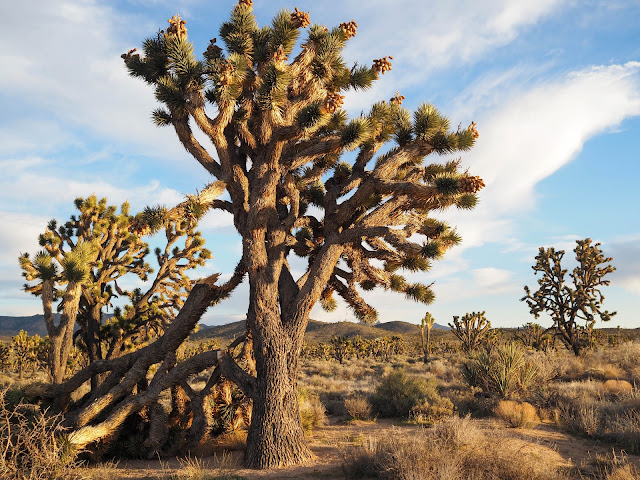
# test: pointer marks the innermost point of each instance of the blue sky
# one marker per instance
(554, 86)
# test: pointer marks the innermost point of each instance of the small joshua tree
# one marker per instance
(426, 322)
(5, 356)
(533, 335)
(25, 351)
(87, 256)
(573, 308)
(473, 330)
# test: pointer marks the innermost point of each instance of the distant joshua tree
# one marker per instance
(426, 322)
(573, 308)
(473, 330)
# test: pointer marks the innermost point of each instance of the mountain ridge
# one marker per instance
(317, 331)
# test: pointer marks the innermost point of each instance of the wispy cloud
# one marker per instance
(425, 38)
(625, 252)
(67, 64)
(532, 133)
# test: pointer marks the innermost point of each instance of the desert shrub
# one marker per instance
(624, 431)
(615, 467)
(397, 394)
(618, 387)
(457, 432)
(454, 450)
(587, 408)
(445, 370)
(625, 472)
(546, 365)
(312, 411)
(517, 414)
(595, 373)
(587, 390)
(581, 418)
(33, 444)
(432, 410)
(358, 407)
(193, 468)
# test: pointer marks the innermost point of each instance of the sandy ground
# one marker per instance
(330, 441)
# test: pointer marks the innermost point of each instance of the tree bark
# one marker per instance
(61, 337)
(276, 437)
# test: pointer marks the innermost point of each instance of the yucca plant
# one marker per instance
(504, 371)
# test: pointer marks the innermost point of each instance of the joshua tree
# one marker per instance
(573, 308)
(72, 269)
(5, 356)
(90, 253)
(426, 322)
(25, 351)
(473, 330)
(279, 135)
(280, 139)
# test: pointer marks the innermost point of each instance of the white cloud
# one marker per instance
(65, 60)
(625, 252)
(440, 33)
(425, 37)
(531, 133)
(492, 278)
(57, 192)
(539, 131)
(19, 235)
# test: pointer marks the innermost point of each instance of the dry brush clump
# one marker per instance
(312, 410)
(32, 444)
(607, 411)
(517, 414)
(359, 407)
(455, 449)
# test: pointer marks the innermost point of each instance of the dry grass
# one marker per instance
(101, 471)
(618, 387)
(454, 450)
(312, 410)
(32, 444)
(615, 467)
(517, 414)
(359, 407)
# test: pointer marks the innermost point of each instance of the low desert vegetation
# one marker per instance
(435, 389)
(592, 397)
(517, 414)
(33, 444)
(454, 449)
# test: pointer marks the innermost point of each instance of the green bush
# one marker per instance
(312, 411)
(398, 393)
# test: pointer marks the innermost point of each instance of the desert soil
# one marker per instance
(329, 442)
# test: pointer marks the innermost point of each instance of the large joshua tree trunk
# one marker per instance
(276, 436)
(61, 335)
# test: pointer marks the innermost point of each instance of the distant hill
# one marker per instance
(316, 331)
(10, 326)
(319, 331)
(34, 324)
(406, 327)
